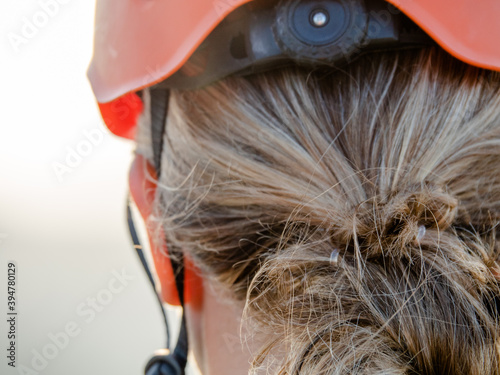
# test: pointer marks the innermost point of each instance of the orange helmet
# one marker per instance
(140, 43)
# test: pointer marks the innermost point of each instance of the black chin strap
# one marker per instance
(140, 253)
(164, 362)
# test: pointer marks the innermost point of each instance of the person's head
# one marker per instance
(391, 163)
(333, 221)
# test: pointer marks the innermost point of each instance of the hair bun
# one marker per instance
(389, 226)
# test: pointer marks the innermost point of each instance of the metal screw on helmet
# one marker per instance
(319, 18)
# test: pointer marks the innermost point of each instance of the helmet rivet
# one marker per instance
(319, 18)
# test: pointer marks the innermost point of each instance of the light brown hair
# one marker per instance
(393, 163)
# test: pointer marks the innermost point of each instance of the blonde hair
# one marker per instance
(354, 211)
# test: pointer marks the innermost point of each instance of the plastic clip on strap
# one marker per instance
(166, 363)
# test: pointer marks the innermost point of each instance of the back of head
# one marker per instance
(354, 211)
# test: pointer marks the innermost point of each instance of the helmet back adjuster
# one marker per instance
(262, 36)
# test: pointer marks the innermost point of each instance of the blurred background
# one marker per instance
(83, 301)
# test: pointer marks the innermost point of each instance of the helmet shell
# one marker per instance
(140, 43)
